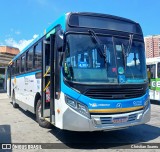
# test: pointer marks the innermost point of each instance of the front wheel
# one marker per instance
(42, 123)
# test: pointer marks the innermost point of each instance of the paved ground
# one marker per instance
(18, 126)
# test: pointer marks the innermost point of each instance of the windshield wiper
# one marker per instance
(97, 41)
(126, 53)
(124, 56)
(129, 44)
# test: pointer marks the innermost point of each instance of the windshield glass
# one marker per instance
(84, 62)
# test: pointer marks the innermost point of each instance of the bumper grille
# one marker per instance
(115, 93)
(132, 117)
(108, 120)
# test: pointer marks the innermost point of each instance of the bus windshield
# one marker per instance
(85, 62)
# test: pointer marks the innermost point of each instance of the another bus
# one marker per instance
(87, 72)
(153, 70)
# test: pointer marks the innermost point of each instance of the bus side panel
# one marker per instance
(25, 88)
(30, 89)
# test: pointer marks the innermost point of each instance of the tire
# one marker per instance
(15, 105)
(41, 122)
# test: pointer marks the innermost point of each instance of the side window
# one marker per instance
(158, 70)
(23, 63)
(151, 69)
(38, 56)
(18, 66)
(29, 60)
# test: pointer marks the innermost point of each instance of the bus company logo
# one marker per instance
(118, 105)
(99, 105)
(103, 105)
(93, 104)
(137, 103)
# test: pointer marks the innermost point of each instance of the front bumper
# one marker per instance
(74, 121)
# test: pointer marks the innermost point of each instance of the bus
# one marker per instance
(153, 70)
(86, 72)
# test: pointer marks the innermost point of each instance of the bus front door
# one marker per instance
(48, 79)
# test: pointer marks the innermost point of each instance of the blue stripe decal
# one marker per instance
(68, 91)
(101, 103)
(104, 104)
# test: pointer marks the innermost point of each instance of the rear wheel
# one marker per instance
(15, 105)
(43, 123)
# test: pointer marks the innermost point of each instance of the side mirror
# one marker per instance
(60, 40)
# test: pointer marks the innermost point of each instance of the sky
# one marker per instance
(21, 21)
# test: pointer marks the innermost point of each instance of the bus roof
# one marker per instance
(59, 21)
(106, 15)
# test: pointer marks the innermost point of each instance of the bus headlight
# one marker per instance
(146, 104)
(70, 102)
(79, 107)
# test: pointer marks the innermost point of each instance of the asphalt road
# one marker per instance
(19, 126)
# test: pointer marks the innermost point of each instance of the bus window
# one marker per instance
(133, 63)
(18, 66)
(13, 69)
(23, 63)
(29, 60)
(158, 70)
(38, 56)
(151, 69)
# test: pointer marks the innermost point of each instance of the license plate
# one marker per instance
(120, 120)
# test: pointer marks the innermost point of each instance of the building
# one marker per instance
(6, 54)
(152, 46)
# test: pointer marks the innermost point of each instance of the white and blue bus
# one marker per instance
(87, 72)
